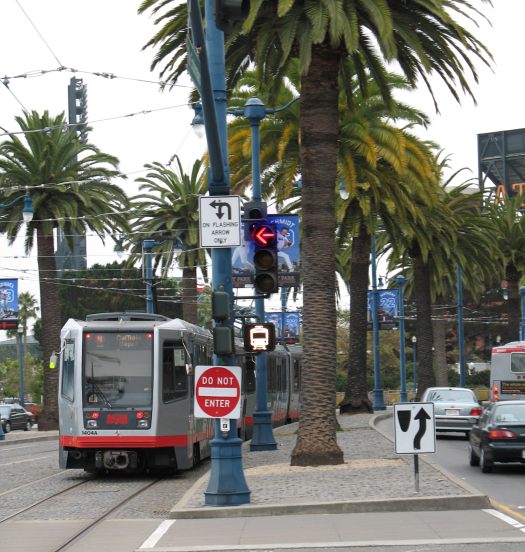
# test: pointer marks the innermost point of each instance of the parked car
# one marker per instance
(455, 408)
(499, 436)
(15, 417)
(35, 409)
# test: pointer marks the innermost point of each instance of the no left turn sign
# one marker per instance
(217, 392)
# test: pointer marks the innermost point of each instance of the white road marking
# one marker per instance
(506, 519)
(159, 532)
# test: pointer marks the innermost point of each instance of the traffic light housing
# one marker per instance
(253, 212)
(264, 238)
(227, 12)
(259, 337)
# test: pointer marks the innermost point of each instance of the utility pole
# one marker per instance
(227, 485)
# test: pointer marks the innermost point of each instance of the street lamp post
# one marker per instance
(401, 280)
(27, 215)
(20, 332)
(148, 245)
(414, 346)
(378, 400)
(263, 439)
(227, 484)
(461, 329)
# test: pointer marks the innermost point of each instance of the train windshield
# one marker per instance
(118, 369)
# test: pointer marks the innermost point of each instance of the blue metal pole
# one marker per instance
(400, 279)
(379, 403)
(263, 438)
(414, 348)
(148, 246)
(227, 485)
(21, 360)
(522, 319)
(461, 334)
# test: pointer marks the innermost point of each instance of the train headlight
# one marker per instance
(143, 424)
(92, 424)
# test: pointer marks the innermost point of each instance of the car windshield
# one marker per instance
(451, 395)
(510, 413)
(5, 410)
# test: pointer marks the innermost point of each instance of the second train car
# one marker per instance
(126, 392)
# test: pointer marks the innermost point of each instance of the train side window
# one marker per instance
(174, 376)
(68, 370)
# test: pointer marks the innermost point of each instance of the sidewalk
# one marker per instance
(372, 479)
(28, 436)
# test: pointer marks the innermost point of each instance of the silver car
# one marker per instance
(455, 408)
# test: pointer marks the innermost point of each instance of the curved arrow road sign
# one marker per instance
(414, 428)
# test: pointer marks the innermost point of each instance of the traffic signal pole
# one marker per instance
(227, 485)
(262, 438)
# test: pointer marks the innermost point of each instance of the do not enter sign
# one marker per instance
(217, 392)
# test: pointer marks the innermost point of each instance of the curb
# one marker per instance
(412, 504)
(8, 442)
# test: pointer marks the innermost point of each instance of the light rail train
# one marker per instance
(126, 392)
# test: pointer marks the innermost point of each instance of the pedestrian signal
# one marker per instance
(259, 337)
(264, 238)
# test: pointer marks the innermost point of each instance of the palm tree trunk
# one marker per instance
(189, 294)
(316, 437)
(356, 394)
(425, 372)
(50, 308)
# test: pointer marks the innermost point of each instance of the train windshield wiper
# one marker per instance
(96, 390)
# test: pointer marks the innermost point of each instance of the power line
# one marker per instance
(102, 74)
(38, 32)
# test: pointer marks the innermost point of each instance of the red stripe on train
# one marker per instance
(92, 441)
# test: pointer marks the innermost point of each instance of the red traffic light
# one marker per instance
(263, 235)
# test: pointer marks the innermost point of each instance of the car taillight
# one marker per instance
(94, 415)
(495, 392)
(501, 434)
(475, 412)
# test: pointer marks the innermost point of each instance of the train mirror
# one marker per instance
(189, 369)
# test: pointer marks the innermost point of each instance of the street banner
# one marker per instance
(388, 304)
(8, 304)
(287, 325)
(288, 256)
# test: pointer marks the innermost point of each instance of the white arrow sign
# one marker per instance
(414, 428)
(220, 221)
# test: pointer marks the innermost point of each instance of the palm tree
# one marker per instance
(509, 238)
(333, 39)
(169, 210)
(430, 248)
(70, 187)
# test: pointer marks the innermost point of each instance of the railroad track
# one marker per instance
(93, 523)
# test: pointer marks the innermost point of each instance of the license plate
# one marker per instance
(452, 411)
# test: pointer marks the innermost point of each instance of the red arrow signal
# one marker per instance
(263, 235)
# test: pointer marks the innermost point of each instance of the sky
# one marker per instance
(135, 121)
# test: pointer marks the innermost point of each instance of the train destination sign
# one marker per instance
(217, 392)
